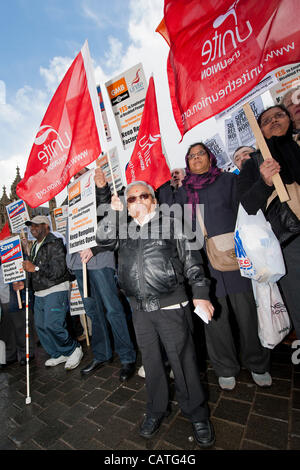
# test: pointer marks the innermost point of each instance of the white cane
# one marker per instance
(28, 398)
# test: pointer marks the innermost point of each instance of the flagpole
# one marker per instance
(277, 181)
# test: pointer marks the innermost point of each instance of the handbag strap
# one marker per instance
(201, 222)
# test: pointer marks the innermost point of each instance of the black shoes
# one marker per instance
(127, 371)
(94, 365)
(204, 433)
(150, 426)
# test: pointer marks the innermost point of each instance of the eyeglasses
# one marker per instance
(197, 154)
(143, 197)
(268, 120)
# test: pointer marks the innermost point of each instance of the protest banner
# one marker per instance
(110, 165)
(104, 115)
(17, 215)
(127, 93)
(60, 215)
(234, 44)
(77, 306)
(11, 260)
(68, 138)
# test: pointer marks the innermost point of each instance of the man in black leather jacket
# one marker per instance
(155, 257)
(49, 276)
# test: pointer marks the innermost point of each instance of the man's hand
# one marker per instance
(116, 203)
(28, 266)
(18, 285)
(99, 178)
(205, 305)
(269, 168)
(86, 255)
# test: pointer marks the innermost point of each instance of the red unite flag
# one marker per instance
(5, 232)
(68, 138)
(221, 49)
(147, 162)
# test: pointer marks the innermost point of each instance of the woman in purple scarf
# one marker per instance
(231, 294)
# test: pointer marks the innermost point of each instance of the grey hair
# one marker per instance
(135, 183)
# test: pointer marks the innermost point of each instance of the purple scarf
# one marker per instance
(193, 182)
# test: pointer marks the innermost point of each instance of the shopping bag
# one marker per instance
(257, 249)
(273, 319)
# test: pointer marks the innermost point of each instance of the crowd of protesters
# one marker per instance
(161, 277)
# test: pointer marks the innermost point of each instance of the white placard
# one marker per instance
(76, 303)
(17, 215)
(11, 260)
(115, 165)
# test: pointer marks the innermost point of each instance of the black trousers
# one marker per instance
(220, 339)
(172, 329)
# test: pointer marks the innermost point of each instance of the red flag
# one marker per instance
(221, 49)
(147, 162)
(162, 30)
(5, 232)
(68, 138)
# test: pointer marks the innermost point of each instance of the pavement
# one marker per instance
(69, 412)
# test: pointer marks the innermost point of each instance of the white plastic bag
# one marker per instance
(257, 249)
(273, 320)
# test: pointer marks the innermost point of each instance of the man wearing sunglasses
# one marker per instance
(154, 258)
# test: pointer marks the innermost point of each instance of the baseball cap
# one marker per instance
(38, 219)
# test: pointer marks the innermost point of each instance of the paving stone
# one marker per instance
(79, 437)
(213, 393)
(67, 386)
(232, 410)
(179, 434)
(26, 431)
(295, 428)
(53, 412)
(74, 396)
(111, 384)
(113, 432)
(45, 400)
(243, 392)
(50, 385)
(296, 382)
(48, 435)
(75, 413)
(296, 399)
(103, 413)
(249, 445)
(121, 396)
(132, 411)
(281, 387)
(94, 398)
(294, 443)
(91, 383)
(268, 431)
(141, 395)
(60, 445)
(228, 435)
(281, 371)
(268, 405)
(128, 445)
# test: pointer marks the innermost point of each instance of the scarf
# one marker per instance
(192, 183)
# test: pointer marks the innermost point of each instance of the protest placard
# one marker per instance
(102, 161)
(61, 217)
(127, 93)
(17, 215)
(12, 259)
(76, 303)
(216, 146)
(82, 217)
(288, 77)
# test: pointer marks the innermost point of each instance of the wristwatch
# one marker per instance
(36, 268)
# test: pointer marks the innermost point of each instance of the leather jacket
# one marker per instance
(154, 261)
(51, 260)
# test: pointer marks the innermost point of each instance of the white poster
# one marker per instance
(115, 166)
(127, 93)
(216, 146)
(76, 303)
(61, 217)
(82, 213)
(288, 77)
(17, 214)
(11, 260)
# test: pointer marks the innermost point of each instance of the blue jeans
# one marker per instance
(50, 323)
(104, 306)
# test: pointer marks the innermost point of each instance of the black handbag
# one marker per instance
(285, 224)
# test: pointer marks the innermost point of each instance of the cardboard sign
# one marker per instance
(115, 165)
(17, 215)
(11, 260)
(61, 218)
(82, 213)
(127, 93)
(76, 303)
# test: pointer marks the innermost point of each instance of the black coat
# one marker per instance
(220, 212)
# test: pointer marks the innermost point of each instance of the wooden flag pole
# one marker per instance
(260, 140)
(84, 275)
(86, 331)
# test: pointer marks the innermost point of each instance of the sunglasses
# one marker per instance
(143, 197)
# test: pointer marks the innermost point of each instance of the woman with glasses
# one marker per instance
(256, 191)
(230, 293)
